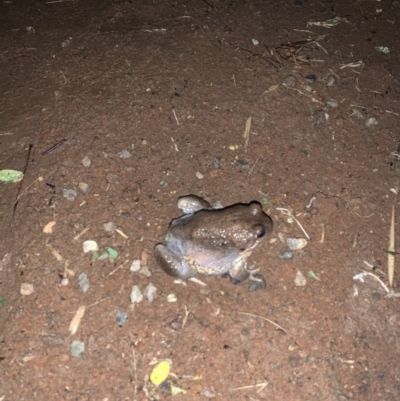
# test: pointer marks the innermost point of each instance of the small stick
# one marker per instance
(391, 251)
(58, 144)
(176, 118)
(360, 277)
(20, 184)
(81, 233)
(286, 212)
(264, 318)
(323, 232)
(261, 385)
(118, 267)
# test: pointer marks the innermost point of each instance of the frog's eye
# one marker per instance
(260, 233)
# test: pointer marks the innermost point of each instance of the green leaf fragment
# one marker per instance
(312, 275)
(11, 176)
(3, 301)
(112, 253)
(176, 390)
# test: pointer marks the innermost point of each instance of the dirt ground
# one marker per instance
(150, 100)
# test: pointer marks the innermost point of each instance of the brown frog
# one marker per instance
(213, 241)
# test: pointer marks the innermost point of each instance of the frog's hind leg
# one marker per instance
(172, 264)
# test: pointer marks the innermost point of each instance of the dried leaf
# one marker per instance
(48, 228)
(76, 321)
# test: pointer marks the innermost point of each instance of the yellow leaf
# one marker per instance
(160, 373)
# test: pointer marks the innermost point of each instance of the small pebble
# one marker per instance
(110, 226)
(172, 298)
(136, 295)
(84, 188)
(122, 318)
(296, 243)
(83, 282)
(64, 281)
(163, 183)
(243, 164)
(199, 175)
(256, 282)
(320, 118)
(135, 266)
(70, 194)
(330, 81)
(86, 161)
(150, 292)
(290, 81)
(145, 271)
(125, 154)
(300, 280)
(90, 246)
(311, 78)
(332, 103)
(192, 203)
(65, 42)
(286, 255)
(77, 349)
(27, 289)
(307, 89)
(209, 394)
(216, 163)
(371, 121)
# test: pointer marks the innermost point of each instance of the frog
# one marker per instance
(213, 241)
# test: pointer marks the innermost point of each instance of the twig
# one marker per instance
(175, 145)
(264, 318)
(302, 93)
(391, 251)
(286, 212)
(55, 146)
(77, 236)
(255, 164)
(118, 267)
(20, 184)
(176, 118)
(261, 385)
(361, 275)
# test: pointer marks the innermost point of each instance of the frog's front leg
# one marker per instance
(239, 272)
(172, 264)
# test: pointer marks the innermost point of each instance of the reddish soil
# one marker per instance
(173, 83)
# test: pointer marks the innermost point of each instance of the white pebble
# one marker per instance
(64, 282)
(300, 280)
(371, 121)
(150, 292)
(172, 298)
(110, 226)
(86, 161)
(199, 175)
(296, 243)
(27, 289)
(90, 246)
(135, 266)
(136, 295)
(145, 271)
